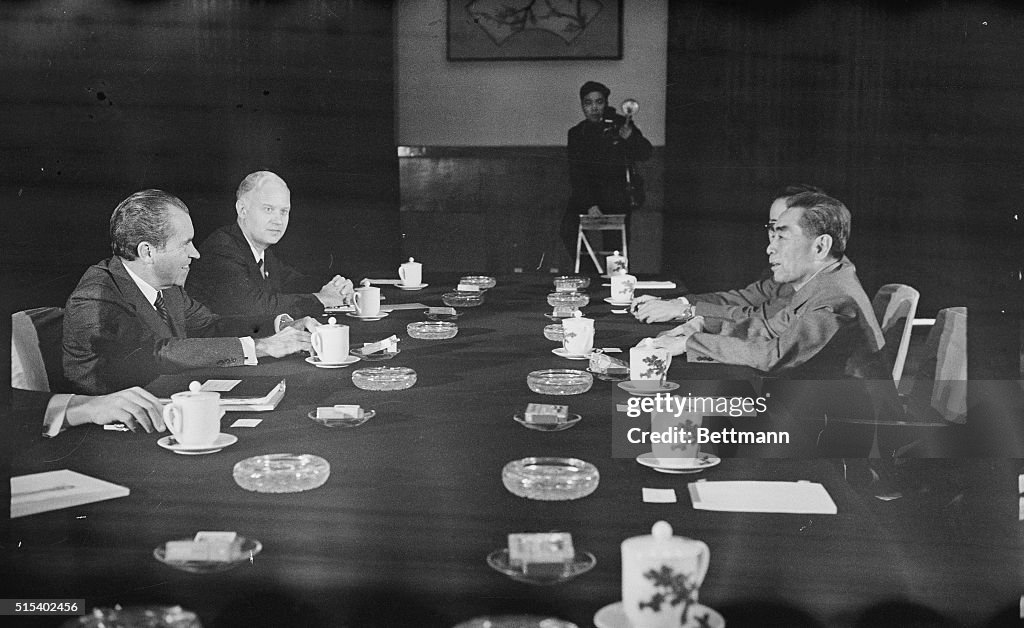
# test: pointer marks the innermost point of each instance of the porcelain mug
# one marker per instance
(366, 300)
(687, 421)
(411, 273)
(648, 366)
(194, 417)
(622, 288)
(661, 578)
(578, 337)
(330, 343)
(616, 264)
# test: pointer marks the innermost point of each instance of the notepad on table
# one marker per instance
(54, 490)
(751, 496)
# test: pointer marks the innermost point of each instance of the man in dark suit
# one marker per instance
(239, 273)
(130, 319)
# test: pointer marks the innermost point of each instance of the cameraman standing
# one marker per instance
(602, 151)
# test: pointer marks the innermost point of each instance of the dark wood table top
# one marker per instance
(399, 533)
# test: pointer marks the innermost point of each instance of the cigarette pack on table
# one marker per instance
(540, 552)
(546, 413)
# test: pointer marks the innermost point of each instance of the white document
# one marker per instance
(659, 495)
(751, 496)
(219, 385)
(54, 490)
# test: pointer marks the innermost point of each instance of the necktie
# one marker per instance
(161, 309)
(263, 271)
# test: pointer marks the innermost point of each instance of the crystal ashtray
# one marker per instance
(281, 473)
(141, 616)
(555, 332)
(432, 330)
(550, 479)
(384, 378)
(559, 381)
(480, 281)
(573, 419)
(245, 550)
(348, 421)
(462, 299)
(580, 564)
(568, 299)
(571, 283)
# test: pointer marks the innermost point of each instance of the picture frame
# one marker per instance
(518, 30)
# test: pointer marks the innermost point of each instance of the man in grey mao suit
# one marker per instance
(130, 319)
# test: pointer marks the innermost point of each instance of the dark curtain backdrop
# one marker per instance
(911, 113)
(102, 99)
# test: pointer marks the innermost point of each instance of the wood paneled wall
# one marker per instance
(105, 98)
(913, 116)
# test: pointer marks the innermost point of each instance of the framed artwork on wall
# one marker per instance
(494, 30)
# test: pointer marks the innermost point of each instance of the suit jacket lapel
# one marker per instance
(136, 300)
(243, 246)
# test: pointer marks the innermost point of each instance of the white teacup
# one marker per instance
(578, 335)
(193, 417)
(616, 264)
(366, 301)
(648, 366)
(622, 288)
(647, 562)
(411, 273)
(330, 342)
(687, 423)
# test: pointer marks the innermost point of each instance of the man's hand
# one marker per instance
(594, 211)
(626, 130)
(336, 293)
(687, 329)
(307, 323)
(675, 344)
(285, 342)
(134, 407)
(652, 310)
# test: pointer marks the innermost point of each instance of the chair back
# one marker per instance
(37, 350)
(895, 305)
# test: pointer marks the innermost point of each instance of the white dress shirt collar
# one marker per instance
(147, 290)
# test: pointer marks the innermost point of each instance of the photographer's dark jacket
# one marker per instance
(598, 158)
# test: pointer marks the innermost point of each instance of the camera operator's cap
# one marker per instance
(594, 86)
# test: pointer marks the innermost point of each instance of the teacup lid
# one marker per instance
(332, 321)
(195, 391)
(195, 387)
(577, 320)
(660, 542)
(365, 283)
(411, 261)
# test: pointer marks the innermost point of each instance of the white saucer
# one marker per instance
(614, 616)
(375, 317)
(418, 287)
(562, 353)
(632, 389)
(679, 465)
(224, 440)
(332, 365)
(617, 303)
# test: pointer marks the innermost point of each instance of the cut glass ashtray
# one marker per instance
(571, 283)
(136, 617)
(568, 299)
(442, 316)
(550, 479)
(462, 299)
(559, 381)
(480, 281)
(384, 378)
(554, 332)
(552, 573)
(432, 330)
(363, 416)
(244, 551)
(281, 473)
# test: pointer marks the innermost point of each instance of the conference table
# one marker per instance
(400, 532)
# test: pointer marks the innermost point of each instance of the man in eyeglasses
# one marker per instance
(762, 298)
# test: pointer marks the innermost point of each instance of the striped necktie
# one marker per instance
(263, 270)
(161, 309)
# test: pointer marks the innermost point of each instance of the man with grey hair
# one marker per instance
(827, 310)
(239, 273)
(130, 319)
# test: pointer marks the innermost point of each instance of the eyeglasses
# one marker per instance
(770, 228)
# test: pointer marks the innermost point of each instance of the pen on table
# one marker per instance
(116, 427)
